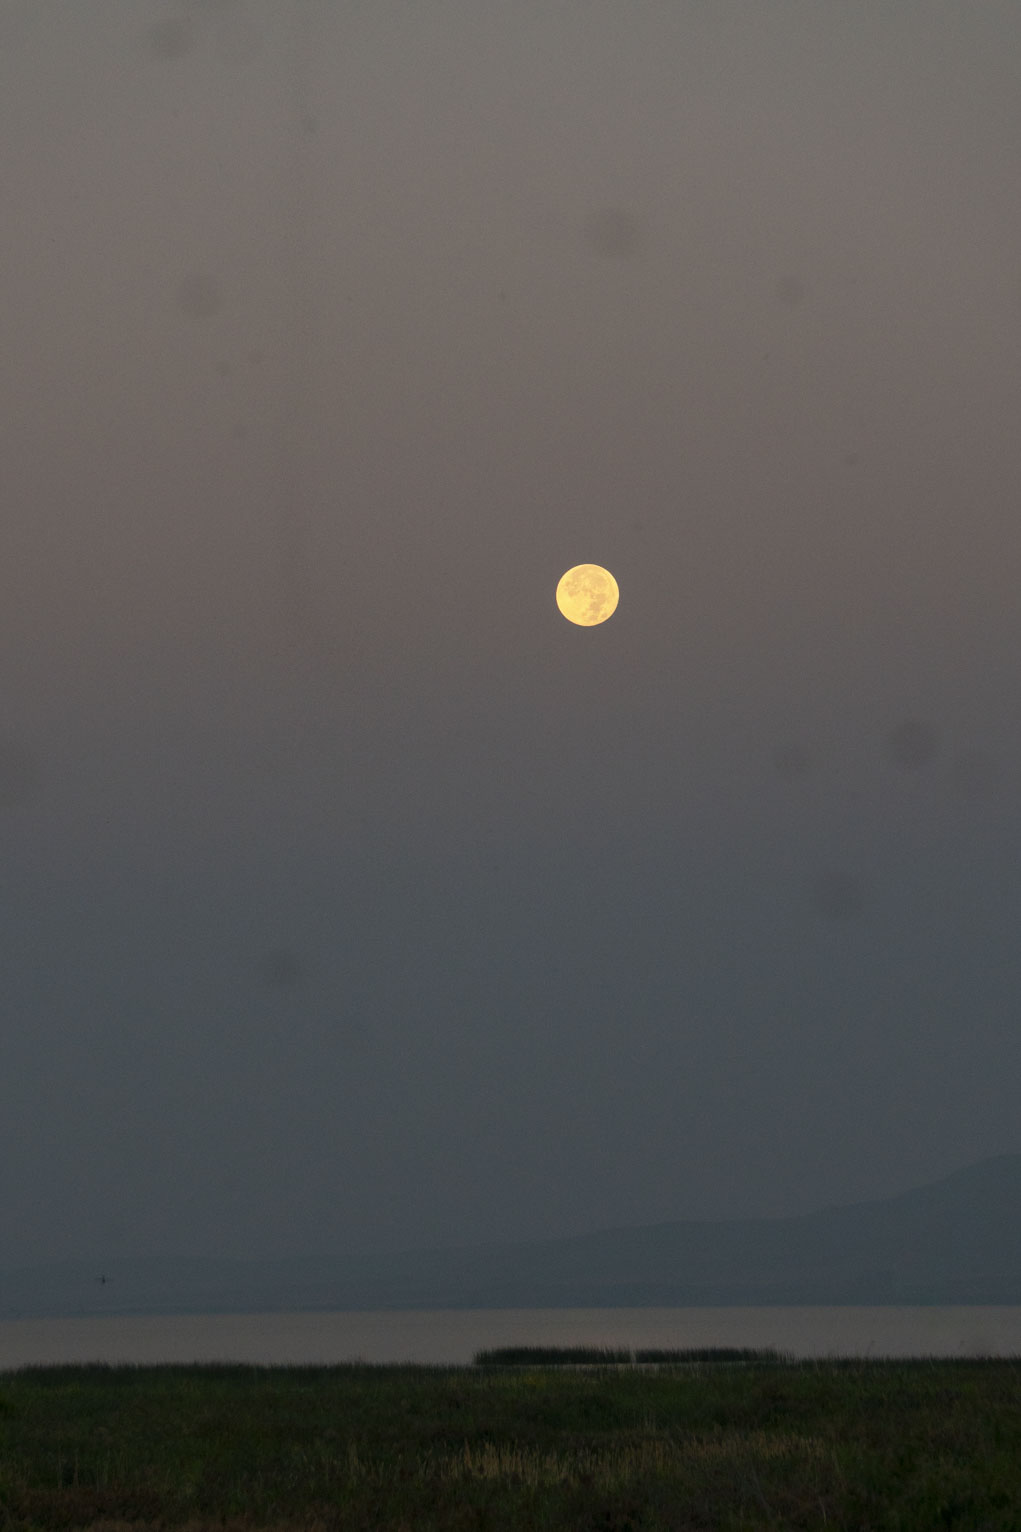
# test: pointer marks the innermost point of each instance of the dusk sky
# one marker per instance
(353, 899)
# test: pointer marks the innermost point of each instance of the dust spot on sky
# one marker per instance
(173, 38)
(20, 774)
(791, 290)
(912, 744)
(199, 295)
(238, 41)
(255, 357)
(280, 969)
(614, 232)
(976, 775)
(793, 760)
(239, 431)
(224, 369)
(309, 123)
(850, 459)
(837, 896)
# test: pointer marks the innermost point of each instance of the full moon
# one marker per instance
(587, 594)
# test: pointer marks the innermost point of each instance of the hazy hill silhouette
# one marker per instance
(955, 1241)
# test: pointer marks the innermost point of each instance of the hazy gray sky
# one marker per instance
(351, 897)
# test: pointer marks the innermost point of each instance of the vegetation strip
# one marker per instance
(612, 1356)
(861, 1444)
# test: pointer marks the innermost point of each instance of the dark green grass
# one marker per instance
(884, 1446)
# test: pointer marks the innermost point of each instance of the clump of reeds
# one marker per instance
(616, 1356)
(552, 1356)
(716, 1354)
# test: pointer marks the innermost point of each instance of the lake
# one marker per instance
(453, 1335)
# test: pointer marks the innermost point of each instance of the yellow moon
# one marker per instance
(587, 594)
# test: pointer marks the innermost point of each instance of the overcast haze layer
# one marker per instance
(352, 898)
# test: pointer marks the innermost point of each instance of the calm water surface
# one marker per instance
(453, 1335)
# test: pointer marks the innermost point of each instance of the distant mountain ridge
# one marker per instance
(955, 1241)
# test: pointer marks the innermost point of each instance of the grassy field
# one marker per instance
(722, 1444)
